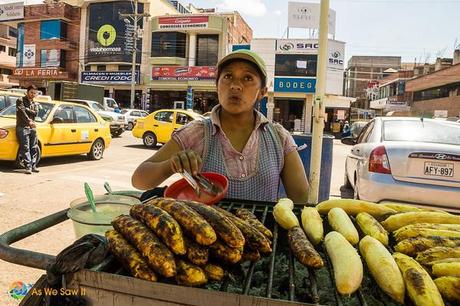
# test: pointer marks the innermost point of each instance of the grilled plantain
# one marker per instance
(196, 253)
(129, 257)
(372, 227)
(446, 269)
(189, 274)
(254, 238)
(395, 222)
(303, 249)
(224, 228)
(159, 257)
(449, 287)
(162, 224)
(192, 222)
(437, 253)
(422, 232)
(249, 217)
(250, 254)
(225, 253)
(411, 246)
(214, 272)
(420, 287)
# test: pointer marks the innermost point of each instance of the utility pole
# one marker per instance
(135, 17)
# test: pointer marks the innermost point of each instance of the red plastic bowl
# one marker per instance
(181, 190)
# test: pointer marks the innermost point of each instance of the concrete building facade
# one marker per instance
(8, 36)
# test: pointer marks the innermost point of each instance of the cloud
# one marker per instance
(255, 8)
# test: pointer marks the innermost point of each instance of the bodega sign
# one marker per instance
(108, 77)
(295, 85)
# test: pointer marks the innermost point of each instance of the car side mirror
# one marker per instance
(350, 141)
(57, 120)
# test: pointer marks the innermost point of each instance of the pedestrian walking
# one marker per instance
(26, 111)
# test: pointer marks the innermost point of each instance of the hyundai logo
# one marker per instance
(440, 156)
(287, 46)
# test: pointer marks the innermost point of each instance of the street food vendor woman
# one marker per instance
(236, 140)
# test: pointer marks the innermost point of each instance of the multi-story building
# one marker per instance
(437, 93)
(363, 75)
(291, 68)
(392, 95)
(8, 51)
(183, 56)
(47, 44)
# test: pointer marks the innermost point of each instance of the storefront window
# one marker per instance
(207, 48)
(302, 65)
(52, 29)
(168, 44)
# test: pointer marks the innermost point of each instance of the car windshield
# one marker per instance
(44, 110)
(124, 111)
(422, 131)
(97, 107)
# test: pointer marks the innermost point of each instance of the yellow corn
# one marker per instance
(340, 222)
(372, 227)
(312, 224)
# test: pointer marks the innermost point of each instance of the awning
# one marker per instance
(338, 101)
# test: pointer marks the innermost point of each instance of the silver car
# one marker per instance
(132, 115)
(406, 159)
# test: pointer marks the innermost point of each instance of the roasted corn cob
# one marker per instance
(303, 249)
(129, 257)
(158, 256)
(253, 237)
(449, 287)
(370, 226)
(225, 253)
(437, 253)
(354, 207)
(312, 224)
(162, 224)
(395, 222)
(214, 272)
(446, 269)
(249, 217)
(420, 287)
(225, 229)
(421, 232)
(348, 268)
(412, 246)
(383, 268)
(196, 253)
(340, 222)
(189, 274)
(192, 222)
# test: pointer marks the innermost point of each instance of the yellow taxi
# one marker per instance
(63, 128)
(159, 125)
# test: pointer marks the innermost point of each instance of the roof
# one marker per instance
(436, 79)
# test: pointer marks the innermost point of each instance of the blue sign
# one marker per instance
(189, 102)
(294, 85)
(241, 47)
(108, 77)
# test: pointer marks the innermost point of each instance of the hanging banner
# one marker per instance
(50, 58)
(28, 56)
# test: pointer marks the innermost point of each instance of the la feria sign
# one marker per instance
(36, 72)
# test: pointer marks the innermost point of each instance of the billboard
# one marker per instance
(11, 11)
(295, 85)
(183, 73)
(108, 77)
(177, 23)
(110, 37)
(306, 15)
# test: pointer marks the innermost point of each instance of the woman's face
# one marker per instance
(239, 87)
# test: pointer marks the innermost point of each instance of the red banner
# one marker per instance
(183, 73)
(183, 22)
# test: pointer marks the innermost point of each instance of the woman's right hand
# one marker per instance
(187, 160)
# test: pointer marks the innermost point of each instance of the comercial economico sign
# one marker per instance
(336, 49)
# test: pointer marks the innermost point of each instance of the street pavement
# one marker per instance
(25, 198)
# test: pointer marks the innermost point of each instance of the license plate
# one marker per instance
(439, 169)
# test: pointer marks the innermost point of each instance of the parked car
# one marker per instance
(9, 97)
(357, 127)
(109, 104)
(117, 121)
(406, 159)
(62, 129)
(132, 115)
(158, 126)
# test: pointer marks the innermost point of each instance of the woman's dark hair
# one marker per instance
(31, 87)
(263, 81)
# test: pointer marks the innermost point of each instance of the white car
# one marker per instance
(132, 115)
(406, 159)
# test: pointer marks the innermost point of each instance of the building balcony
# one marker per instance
(58, 10)
(7, 61)
(5, 81)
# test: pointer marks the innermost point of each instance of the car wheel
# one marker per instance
(150, 140)
(130, 126)
(19, 162)
(97, 150)
(117, 133)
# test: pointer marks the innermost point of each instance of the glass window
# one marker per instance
(144, 114)
(83, 115)
(2, 48)
(168, 44)
(302, 65)
(207, 48)
(365, 132)
(422, 131)
(97, 107)
(135, 114)
(88, 68)
(12, 51)
(13, 32)
(100, 67)
(2, 102)
(183, 119)
(44, 109)
(52, 29)
(124, 67)
(65, 113)
(164, 116)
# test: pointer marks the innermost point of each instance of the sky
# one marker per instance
(416, 30)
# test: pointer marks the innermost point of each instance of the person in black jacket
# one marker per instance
(26, 111)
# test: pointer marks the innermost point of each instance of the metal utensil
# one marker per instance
(207, 185)
(191, 181)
